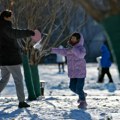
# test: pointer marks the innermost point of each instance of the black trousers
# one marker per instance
(103, 72)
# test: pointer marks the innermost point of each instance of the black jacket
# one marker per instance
(9, 49)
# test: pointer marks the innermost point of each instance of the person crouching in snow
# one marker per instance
(75, 53)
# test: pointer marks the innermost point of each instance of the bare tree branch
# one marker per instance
(97, 13)
(90, 9)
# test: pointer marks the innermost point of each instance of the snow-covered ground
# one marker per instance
(60, 103)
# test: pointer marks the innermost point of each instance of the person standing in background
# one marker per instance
(105, 62)
(61, 61)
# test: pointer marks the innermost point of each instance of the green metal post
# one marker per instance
(36, 80)
(28, 78)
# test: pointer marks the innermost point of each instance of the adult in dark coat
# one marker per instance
(10, 58)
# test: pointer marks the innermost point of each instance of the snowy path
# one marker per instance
(60, 103)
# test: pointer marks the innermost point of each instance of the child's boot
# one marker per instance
(82, 105)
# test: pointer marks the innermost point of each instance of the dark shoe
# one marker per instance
(23, 105)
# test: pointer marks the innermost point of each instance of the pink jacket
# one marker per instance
(75, 59)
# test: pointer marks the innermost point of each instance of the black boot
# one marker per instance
(23, 105)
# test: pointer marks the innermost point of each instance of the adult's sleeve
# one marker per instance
(17, 33)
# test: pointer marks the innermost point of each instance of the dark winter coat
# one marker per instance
(9, 49)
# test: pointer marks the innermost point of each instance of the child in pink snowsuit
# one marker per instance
(75, 53)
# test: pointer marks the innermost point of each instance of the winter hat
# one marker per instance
(6, 13)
